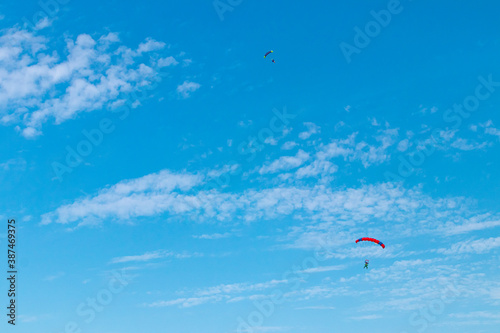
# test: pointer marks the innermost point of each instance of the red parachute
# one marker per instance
(368, 239)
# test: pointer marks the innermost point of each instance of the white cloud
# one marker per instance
(374, 122)
(474, 223)
(43, 23)
(476, 315)
(187, 302)
(466, 145)
(14, 164)
(311, 129)
(55, 276)
(265, 329)
(403, 145)
(495, 293)
(213, 236)
(367, 317)
(31, 319)
(285, 163)
(143, 257)
(317, 308)
(220, 293)
(489, 129)
(239, 288)
(225, 169)
(31, 133)
(351, 150)
(169, 61)
(492, 131)
(245, 123)
(150, 45)
(37, 83)
(289, 145)
(270, 140)
(448, 134)
(145, 196)
(317, 167)
(477, 246)
(423, 110)
(181, 195)
(111, 37)
(322, 269)
(151, 256)
(27, 218)
(187, 87)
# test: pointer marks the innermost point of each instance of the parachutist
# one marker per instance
(366, 263)
(268, 53)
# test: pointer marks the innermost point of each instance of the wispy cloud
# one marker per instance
(153, 255)
(143, 196)
(463, 144)
(213, 236)
(168, 61)
(475, 315)
(93, 75)
(188, 302)
(311, 129)
(14, 164)
(285, 163)
(32, 319)
(289, 145)
(476, 246)
(185, 89)
(366, 317)
(322, 269)
(182, 194)
(55, 276)
(475, 223)
(223, 292)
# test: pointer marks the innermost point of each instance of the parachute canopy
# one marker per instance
(268, 53)
(368, 239)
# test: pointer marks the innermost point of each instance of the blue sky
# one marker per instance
(164, 176)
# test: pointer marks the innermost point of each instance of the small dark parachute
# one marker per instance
(268, 53)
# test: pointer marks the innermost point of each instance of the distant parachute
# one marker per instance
(268, 53)
(368, 239)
